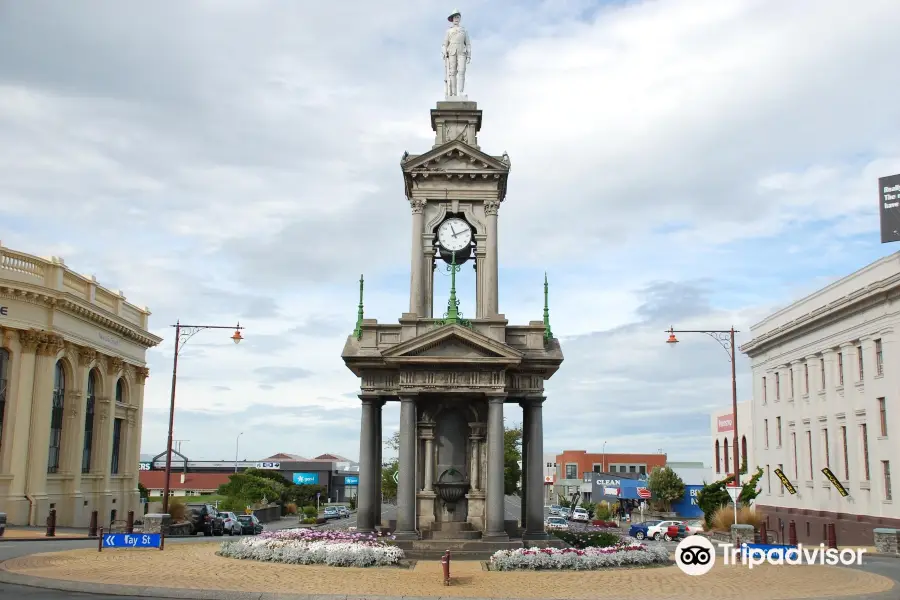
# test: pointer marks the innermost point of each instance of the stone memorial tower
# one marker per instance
(452, 375)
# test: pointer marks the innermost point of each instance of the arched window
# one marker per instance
(56, 417)
(4, 384)
(89, 422)
(120, 392)
(718, 458)
(726, 444)
(744, 451)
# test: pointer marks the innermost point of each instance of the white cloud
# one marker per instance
(245, 165)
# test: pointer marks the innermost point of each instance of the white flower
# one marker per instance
(306, 547)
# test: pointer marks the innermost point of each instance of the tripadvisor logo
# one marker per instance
(696, 555)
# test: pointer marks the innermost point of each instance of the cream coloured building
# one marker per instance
(72, 373)
(826, 388)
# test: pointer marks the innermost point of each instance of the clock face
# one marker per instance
(454, 235)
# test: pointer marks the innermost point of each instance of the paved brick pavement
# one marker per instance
(195, 566)
(31, 533)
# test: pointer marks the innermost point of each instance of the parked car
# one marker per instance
(231, 524)
(694, 527)
(579, 514)
(558, 523)
(250, 525)
(658, 530)
(641, 531)
(565, 513)
(554, 509)
(675, 532)
(344, 512)
(205, 518)
(331, 512)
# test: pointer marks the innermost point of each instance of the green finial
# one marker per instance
(548, 333)
(359, 313)
(453, 316)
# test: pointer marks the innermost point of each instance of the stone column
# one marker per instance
(18, 413)
(480, 281)
(813, 364)
(526, 432)
(795, 376)
(406, 484)
(475, 437)
(429, 282)
(429, 463)
(534, 490)
(417, 272)
(829, 367)
(379, 453)
(365, 496)
(140, 379)
(491, 261)
(850, 368)
(41, 412)
(495, 498)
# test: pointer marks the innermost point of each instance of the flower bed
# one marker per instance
(589, 559)
(604, 523)
(314, 547)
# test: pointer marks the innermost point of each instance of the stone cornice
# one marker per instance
(860, 299)
(71, 305)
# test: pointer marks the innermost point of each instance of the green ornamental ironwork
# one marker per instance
(453, 316)
(357, 333)
(548, 333)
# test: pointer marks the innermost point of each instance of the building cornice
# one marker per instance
(70, 304)
(861, 299)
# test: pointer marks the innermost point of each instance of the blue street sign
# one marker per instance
(131, 540)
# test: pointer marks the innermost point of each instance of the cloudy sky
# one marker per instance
(694, 163)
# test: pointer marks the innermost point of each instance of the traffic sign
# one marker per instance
(131, 540)
(396, 476)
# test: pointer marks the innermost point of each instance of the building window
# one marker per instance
(763, 390)
(826, 448)
(778, 431)
(781, 488)
(859, 360)
(766, 432)
(116, 446)
(805, 378)
(864, 435)
(822, 373)
(768, 481)
(809, 452)
(879, 358)
(4, 383)
(642, 469)
(56, 417)
(120, 392)
(726, 463)
(844, 453)
(794, 446)
(571, 471)
(743, 449)
(840, 368)
(886, 470)
(882, 416)
(89, 422)
(718, 458)
(632, 469)
(777, 386)
(791, 395)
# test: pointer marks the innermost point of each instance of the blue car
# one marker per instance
(639, 530)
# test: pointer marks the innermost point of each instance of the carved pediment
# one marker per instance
(452, 343)
(455, 157)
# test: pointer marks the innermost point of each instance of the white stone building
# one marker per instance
(72, 373)
(722, 431)
(826, 383)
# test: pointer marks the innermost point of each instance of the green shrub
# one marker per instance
(591, 539)
(310, 512)
(602, 513)
(309, 520)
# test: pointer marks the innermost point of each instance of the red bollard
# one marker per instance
(831, 537)
(792, 533)
(129, 523)
(445, 563)
(51, 523)
(92, 528)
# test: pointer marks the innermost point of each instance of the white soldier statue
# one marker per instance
(456, 52)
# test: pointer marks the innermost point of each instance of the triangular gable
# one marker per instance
(455, 156)
(452, 343)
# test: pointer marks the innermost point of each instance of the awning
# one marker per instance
(631, 493)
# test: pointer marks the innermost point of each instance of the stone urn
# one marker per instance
(451, 486)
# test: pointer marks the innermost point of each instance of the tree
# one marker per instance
(715, 495)
(590, 508)
(143, 491)
(512, 455)
(245, 489)
(666, 485)
(388, 485)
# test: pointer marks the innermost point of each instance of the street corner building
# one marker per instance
(826, 385)
(72, 374)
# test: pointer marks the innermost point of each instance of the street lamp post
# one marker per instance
(182, 334)
(726, 340)
(237, 445)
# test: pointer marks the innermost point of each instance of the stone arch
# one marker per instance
(61, 399)
(121, 390)
(466, 209)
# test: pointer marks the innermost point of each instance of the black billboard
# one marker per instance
(889, 201)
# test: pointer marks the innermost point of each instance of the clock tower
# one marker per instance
(451, 375)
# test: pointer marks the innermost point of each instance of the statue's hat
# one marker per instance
(455, 13)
